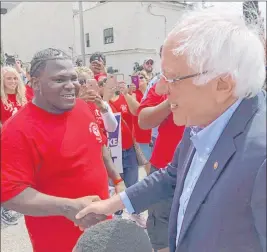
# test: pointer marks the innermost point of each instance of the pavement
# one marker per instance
(16, 238)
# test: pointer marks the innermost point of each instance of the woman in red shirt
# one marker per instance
(13, 91)
(142, 137)
(12, 99)
(105, 119)
(118, 100)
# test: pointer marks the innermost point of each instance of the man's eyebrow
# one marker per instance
(64, 75)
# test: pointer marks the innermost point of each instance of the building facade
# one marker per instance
(126, 32)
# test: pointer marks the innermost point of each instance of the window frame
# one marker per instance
(105, 36)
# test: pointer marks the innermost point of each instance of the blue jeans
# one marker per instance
(130, 167)
(146, 149)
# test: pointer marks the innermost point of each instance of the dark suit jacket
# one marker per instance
(227, 209)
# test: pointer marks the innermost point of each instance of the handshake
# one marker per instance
(90, 210)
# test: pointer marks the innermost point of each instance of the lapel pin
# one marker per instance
(215, 165)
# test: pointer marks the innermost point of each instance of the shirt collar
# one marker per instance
(205, 139)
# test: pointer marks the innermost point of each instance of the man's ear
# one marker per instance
(35, 83)
(224, 88)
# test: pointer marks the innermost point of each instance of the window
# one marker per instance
(87, 39)
(108, 36)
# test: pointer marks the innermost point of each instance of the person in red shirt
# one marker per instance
(51, 163)
(142, 137)
(12, 99)
(105, 119)
(98, 64)
(154, 111)
(29, 90)
(12, 93)
(118, 103)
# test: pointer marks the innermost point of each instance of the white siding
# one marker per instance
(137, 34)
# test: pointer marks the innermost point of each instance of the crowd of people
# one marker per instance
(204, 113)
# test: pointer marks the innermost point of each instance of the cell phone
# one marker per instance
(92, 85)
(119, 77)
(135, 81)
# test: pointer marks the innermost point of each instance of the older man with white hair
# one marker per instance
(213, 73)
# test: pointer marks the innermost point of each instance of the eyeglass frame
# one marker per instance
(181, 78)
(84, 81)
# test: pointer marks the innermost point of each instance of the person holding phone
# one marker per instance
(116, 93)
(104, 117)
(98, 64)
(143, 137)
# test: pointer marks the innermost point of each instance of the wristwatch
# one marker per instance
(104, 110)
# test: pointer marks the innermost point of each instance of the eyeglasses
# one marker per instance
(181, 78)
(82, 82)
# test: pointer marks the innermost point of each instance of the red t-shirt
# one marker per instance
(141, 136)
(29, 93)
(58, 155)
(169, 134)
(7, 112)
(96, 112)
(121, 105)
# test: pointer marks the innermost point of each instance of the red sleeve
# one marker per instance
(152, 99)
(18, 162)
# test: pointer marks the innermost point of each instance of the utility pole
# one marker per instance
(82, 32)
(3, 12)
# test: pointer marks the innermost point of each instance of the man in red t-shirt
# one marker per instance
(51, 163)
(154, 111)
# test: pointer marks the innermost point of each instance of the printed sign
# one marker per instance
(114, 143)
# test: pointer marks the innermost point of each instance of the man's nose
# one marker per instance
(69, 85)
(162, 87)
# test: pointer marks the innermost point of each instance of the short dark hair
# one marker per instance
(40, 59)
(114, 236)
(98, 55)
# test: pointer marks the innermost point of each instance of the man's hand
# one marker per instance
(109, 88)
(103, 207)
(77, 205)
(120, 187)
(92, 96)
(132, 88)
(18, 66)
(123, 88)
(98, 66)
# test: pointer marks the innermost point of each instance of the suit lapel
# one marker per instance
(218, 160)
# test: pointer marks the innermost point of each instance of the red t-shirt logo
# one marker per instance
(93, 128)
(124, 108)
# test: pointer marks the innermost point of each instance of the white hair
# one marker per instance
(220, 42)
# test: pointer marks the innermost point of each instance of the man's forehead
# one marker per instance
(173, 65)
(59, 66)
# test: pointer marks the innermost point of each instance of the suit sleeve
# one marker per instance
(258, 204)
(158, 186)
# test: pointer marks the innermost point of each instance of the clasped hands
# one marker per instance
(86, 211)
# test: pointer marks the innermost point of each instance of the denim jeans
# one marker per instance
(130, 167)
